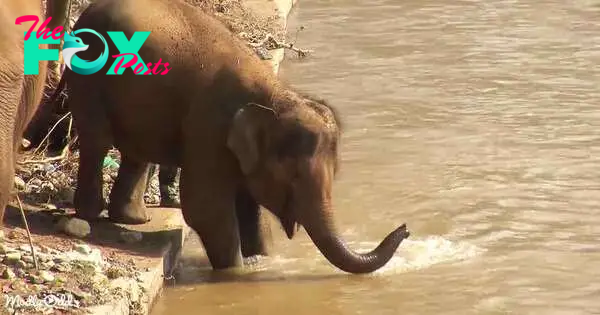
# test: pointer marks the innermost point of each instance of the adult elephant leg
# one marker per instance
(168, 191)
(208, 206)
(10, 91)
(7, 174)
(127, 195)
(88, 200)
(94, 142)
(255, 232)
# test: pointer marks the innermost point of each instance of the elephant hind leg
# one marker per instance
(127, 195)
(89, 201)
(94, 142)
(255, 233)
(168, 192)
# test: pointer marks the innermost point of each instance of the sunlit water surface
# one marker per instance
(475, 122)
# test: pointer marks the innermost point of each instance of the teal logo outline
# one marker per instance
(74, 44)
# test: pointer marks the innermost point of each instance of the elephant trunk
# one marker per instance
(319, 225)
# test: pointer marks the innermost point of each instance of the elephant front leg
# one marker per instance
(208, 206)
(127, 195)
(255, 232)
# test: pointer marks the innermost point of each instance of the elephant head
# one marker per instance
(289, 157)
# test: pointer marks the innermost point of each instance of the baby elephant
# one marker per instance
(241, 137)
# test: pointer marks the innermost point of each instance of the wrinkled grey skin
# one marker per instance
(19, 94)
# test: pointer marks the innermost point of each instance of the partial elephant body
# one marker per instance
(240, 136)
(19, 94)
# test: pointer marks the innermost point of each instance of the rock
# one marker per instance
(80, 294)
(43, 257)
(61, 268)
(99, 278)
(47, 265)
(107, 178)
(263, 53)
(49, 168)
(130, 237)
(35, 182)
(8, 274)
(49, 251)
(92, 260)
(32, 189)
(27, 259)
(114, 273)
(36, 279)
(27, 248)
(21, 264)
(5, 249)
(12, 257)
(83, 248)
(67, 195)
(19, 183)
(46, 276)
(25, 143)
(59, 259)
(74, 227)
(21, 273)
(12, 235)
(48, 186)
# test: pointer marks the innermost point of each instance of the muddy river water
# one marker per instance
(475, 122)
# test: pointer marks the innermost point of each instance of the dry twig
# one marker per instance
(270, 43)
(35, 262)
(65, 150)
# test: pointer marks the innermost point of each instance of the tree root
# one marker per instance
(270, 43)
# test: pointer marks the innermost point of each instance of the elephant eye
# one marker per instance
(299, 142)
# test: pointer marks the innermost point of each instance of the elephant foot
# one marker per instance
(129, 214)
(170, 202)
(88, 210)
(87, 216)
(169, 198)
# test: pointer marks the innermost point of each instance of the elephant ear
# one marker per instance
(246, 134)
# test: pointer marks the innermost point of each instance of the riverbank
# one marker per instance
(75, 268)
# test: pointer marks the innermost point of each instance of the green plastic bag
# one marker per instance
(109, 162)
